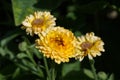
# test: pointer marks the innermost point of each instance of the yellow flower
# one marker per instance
(57, 44)
(89, 45)
(38, 22)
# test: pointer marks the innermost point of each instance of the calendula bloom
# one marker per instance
(89, 45)
(57, 44)
(38, 22)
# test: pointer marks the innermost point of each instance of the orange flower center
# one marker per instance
(38, 25)
(37, 22)
(58, 41)
(86, 45)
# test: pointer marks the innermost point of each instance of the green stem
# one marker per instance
(93, 69)
(53, 76)
(47, 69)
(31, 57)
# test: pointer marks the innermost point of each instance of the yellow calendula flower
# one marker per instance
(89, 45)
(38, 22)
(57, 44)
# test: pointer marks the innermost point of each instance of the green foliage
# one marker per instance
(88, 73)
(111, 77)
(102, 75)
(23, 46)
(21, 9)
(69, 67)
(16, 73)
(2, 77)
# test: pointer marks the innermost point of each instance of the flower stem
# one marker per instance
(53, 74)
(93, 69)
(31, 57)
(47, 69)
(53, 71)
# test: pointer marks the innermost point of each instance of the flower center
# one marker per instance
(59, 41)
(86, 45)
(37, 22)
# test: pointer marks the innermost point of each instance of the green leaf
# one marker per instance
(88, 73)
(33, 68)
(8, 38)
(2, 52)
(21, 55)
(39, 72)
(22, 8)
(10, 53)
(2, 77)
(22, 66)
(71, 15)
(16, 73)
(78, 33)
(23, 46)
(34, 50)
(111, 77)
(29, 64)
(69, 67)
(102, 75)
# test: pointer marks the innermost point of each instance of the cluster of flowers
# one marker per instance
(58, 43)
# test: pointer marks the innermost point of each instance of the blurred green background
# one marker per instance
(80, 16)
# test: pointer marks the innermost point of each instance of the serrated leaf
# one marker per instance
(68, 67)
(88, 73)
(22, 8)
